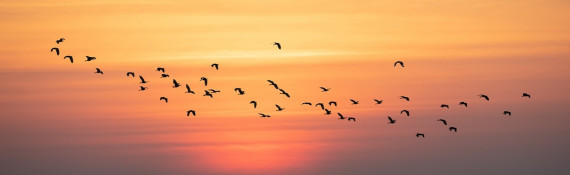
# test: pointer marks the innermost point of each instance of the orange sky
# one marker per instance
(452, 50)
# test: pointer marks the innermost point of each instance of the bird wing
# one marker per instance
(142, 79)
(174, 81)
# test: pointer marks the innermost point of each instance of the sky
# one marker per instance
(61, 118)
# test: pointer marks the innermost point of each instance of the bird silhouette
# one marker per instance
(507, 113)
(307, 103)
(325, 89)
(70, 58)
(320, 104)
(340, 116)
(277, 44)
(378, 101)
(164, 75)
(463, 103)
(240, 92)
(208, 94)
(214, 91)
(254, 104)
(354, 102)
(420, 134)
(352, 118)
(205, 80)
(56, 50)
(215, 65)
(131, 74)
(405, 111)
(391, 121)
(164, 98)
(190, 111)
(264, 115)
(399, 62)
(453, 129)
(279, 107)
(327, 112)
(444, 106)
(332, 102)
(90, 58)
(523, 95)
(188, 89)
(99, 71)
(284, 93)
(405, 98)
(484, 96)
(443, 121)
(271, 83)
(142, 79)
(143, 88)
(160, 69)
(176, 84)
(59, 40)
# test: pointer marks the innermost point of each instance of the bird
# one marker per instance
(405, 98)
(214, 91)
(354, 102)
(90, 58)
(143, 88)
(378, 101)
(142, 79)
(484, 96)
(405, 111)
(273, 84)
(332, 102)
(392, 121)
(320, 104)
(176, 84)
(399, 62)
(164, 75)
(443, 121)
(325, 89)
(352, 118)
(70, 58)
(523, 95)
(507, 113)
(254, 104)
(190, 111)
(131, 74)
(444, 106)
(284, 93)
(215, 65)
(99, 71)
(164, 98)
(277, 44)
(327, 112)
(188, 89)
(240, 92)
(279, 107)
(340, 116)
(307, 103)
(263, 115)
(463, 103)
(160, 69)
(56, 50)
(208, 94)
(420, 134)
(59, 40)
(205, 80)
(453, 129)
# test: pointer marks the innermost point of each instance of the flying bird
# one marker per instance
(273, 84)
(453, 129)
(284, 93)
(507, 113)
(131, 74)
(420, 134)
(205, 80)
(208, 94)
(354, 102)
(277, 44)
(59, 40)
(190, 111)
(325, 89)
(90, 58)
(143, 88)
(332, 102)
(70, 58)
(176, 84)
(405, 98)
(263, 115)
(378, 101)
(307, 103)
(405, 111)
(327, 112)
(392, 121)
(254, 104)
(463, 103)
(399, 62)
(164, 75)
(160, 69)
(443, 121)
(484, 96)
(164, 98)
(142, 79)
(99, 71)
(320, 104)
(188, 89)
(340, 116)
(523, 95)
(240, 92)
(444, 106)
(279, 107)
(56, 50)
(352, 118)
(215, 65)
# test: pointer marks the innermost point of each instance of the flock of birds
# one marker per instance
(210, 92)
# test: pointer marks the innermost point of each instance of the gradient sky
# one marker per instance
(61, 118)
